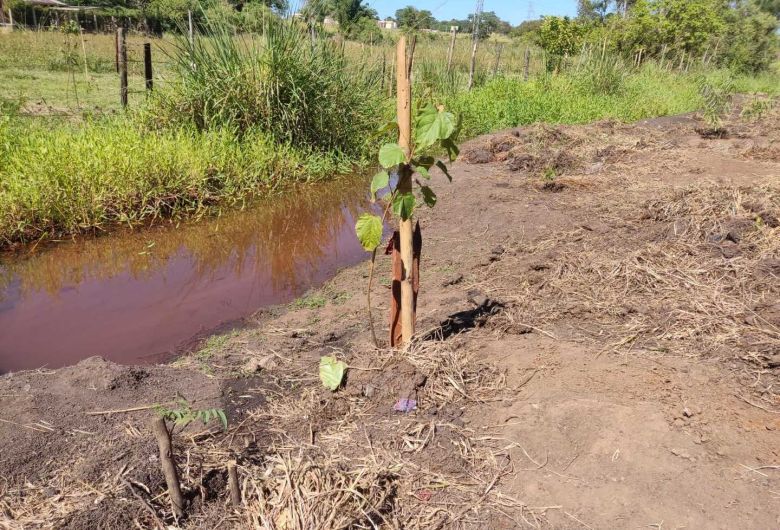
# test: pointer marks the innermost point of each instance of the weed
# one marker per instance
(716, 92)
(756, 108)
(309, 301)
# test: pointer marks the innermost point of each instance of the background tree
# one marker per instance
(592, 9)
(411, 17)
(770, 6)
(559, 36)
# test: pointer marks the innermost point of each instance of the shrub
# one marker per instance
(297, 89)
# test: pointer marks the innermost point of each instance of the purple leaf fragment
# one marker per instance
(405, 405)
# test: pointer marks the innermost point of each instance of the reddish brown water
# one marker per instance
(138, 297)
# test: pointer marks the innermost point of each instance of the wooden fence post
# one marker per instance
(404, 111)
(499, 47)
(473, 64)
(451, 50)
(191, 31)
(384, 72)
(148, 66)
(527, 65)
(122, 44)
(163, 437)
(116, 48)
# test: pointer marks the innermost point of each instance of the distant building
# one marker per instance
(330, 21)
(387, 24)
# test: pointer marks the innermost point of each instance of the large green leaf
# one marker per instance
(331, 372)
(391, 155)
(403, 205)
(431, 125)
(423, 172)
(379, 182)
(428, 196)
(369, 231)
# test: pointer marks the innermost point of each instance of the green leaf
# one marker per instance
(369, 231)
(331, 372)
(379, 182)
(403, 205)
(428, 196)
(424, 161)
(223, 419)
(451, 148)
(431, 125)
(423, 172)
(391, 155)
(441, 165)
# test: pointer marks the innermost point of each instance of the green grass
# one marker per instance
(59, 178)
(309, 301)
(258, 112)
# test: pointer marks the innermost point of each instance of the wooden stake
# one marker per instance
(191, 32)
(451, 50)
(84, 54)
(499, 47)
(473, 65)
(163, 436)
(235, 490)
(148, 75)
(122, 44)
(404, 112)
(527, 64)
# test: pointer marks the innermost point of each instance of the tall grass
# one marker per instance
(299, 90)
(247, 113)
(66, 179)
(576, 98)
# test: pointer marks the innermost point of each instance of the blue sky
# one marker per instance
(514, 11)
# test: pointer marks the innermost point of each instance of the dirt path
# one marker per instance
(604, 352)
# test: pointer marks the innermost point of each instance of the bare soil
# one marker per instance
(599, 347)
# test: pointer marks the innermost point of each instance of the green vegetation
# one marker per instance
(58, 177)
(276, 82)
(235, 115)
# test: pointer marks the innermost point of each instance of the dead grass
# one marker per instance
(694, 272)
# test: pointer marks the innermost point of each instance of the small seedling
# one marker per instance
(432, 128)
(716, 96)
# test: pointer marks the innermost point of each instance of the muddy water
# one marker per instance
(139, 296)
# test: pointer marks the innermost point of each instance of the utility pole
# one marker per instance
(475, 40)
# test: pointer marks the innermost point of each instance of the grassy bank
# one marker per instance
(242, 116)
(64, 178)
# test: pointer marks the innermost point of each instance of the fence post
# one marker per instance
(499, 47)
(473, 65)
(384, 72)
(191, 33)
(122, 45)
(148, 66)
(527, 64)
(404, 111)
(451, 50)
